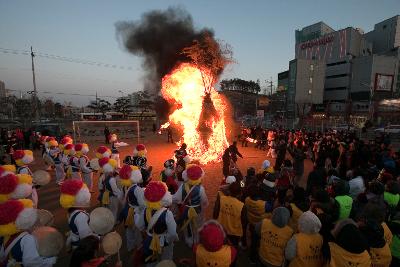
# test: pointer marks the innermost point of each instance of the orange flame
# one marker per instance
(184, 87)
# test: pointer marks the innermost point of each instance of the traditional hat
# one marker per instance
(230, 179)
(129, 174)
(74, 193)
(47, 140)
(157, 195)
(52, 143)
(65, 141)
(15, 186)
(94, 164)
(108, 165)
(69, 149)
(81, 149)
(101, 220)
(42, 139)
(41, 177)
(111, 243)
(23, 157)
(103, 152)
(49, 241)
(212, 235)
(140, 150)
(112, 137)
(169, 164)
(16, 216)
(7, 169)
(45, 218)
(193, 174)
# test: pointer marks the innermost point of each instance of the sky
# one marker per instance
(261, 33)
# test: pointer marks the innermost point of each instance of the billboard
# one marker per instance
(383, 82)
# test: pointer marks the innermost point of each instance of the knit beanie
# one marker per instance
(309, 223)
(280, 217)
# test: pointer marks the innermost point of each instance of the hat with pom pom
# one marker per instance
(129, 174)
(7, 169)
(140, 150)
(16, 216)
(108, 165)
(157, 195)
(81, 149)
(65, 141)
(69, 149)
(23, 157)
(42, 139)
(193, 174)
(103, 152)
(74, 193)
(212, 235)
(52, 143)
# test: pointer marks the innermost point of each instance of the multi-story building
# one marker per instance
(356, 72)
(3, 91)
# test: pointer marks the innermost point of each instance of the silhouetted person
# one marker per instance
(106, 134)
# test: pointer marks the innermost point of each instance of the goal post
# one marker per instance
(93, 131)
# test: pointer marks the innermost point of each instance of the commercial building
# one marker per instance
(345, 74)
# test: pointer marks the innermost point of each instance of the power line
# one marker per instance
(68, 94)
(64, 59)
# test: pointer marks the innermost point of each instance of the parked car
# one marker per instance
(392, 129)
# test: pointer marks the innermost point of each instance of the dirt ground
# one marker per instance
(158, 151)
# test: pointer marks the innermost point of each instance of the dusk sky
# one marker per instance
(261, 34)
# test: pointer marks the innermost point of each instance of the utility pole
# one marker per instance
(34, 95)
(270, 86)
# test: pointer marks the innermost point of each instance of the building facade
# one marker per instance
(354, 72)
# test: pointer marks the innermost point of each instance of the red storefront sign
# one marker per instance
(316, 42)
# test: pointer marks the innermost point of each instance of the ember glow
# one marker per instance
(164, 126)
(184, 88)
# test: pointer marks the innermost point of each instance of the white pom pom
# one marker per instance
(230, 179)
(136, 176)
(166, 201)
(82, 199)
(184, 175)
(187, 159)
(107, 168)
(22, 191)
(27, 159)
(26, 219)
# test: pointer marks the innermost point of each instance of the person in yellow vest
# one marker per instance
(348, 248)
(274, 234)
(299, 204)
(343, 202)
(379, 249)
(212, 249)
(304, 248)
(229, 211)
(394, 225)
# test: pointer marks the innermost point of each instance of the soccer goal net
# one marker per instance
(94, 131)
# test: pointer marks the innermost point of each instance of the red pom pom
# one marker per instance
(212, 237)
(78, 147)
(69, 147)
(71, 187)
(18, 154)
(9, 211)
(66, 139)
(50, 138)
(125, 172)
(102, 149)
(8, 183)
(155, 191)
(140, 147)
(103, 161)
(194, 172)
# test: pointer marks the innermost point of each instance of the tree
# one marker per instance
(237, 84)
(24, 108)
(123, 105)
(100, 105)
(59, 110)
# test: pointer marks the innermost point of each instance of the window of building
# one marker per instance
(335, 88)
(311, 80)
(312, 67)
(336, 63)
(384, 26)
(309, 92)
(336, 76)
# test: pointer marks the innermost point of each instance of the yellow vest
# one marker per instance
(308, 251)
(343, 258)
(387, 234)
(255, 210)
(220, 258)
(294, 220)
(381, 257)
(229, 216)
(273, 242)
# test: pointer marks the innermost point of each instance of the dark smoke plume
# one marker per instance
(160, 37)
